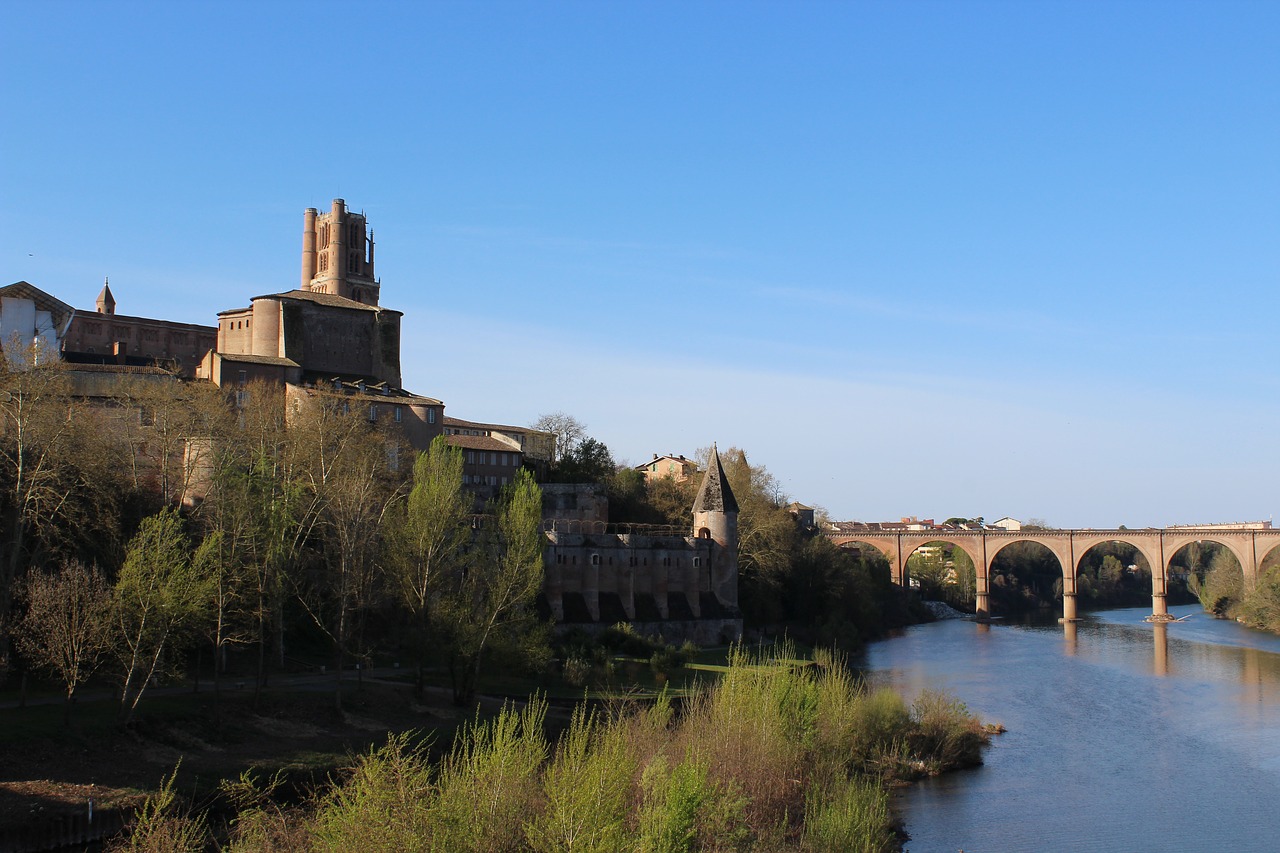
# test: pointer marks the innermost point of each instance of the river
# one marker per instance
(1122, 735)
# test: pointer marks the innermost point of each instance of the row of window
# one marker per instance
(399, 414)
(477, 457)
(572, 560)
(477, 480)
(124, 333)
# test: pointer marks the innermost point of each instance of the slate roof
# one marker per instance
(247, 358)
(479, 442)
(714, 495)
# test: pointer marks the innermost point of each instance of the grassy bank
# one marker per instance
(771, 756)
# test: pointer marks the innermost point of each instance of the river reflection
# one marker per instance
(1123, 735)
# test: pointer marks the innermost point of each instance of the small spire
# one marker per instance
(106, 302)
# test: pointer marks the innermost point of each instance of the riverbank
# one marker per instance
(741, 738)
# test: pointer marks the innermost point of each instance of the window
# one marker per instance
(399, 414)
(595, 559)
(244, 376)
(431, 415)
(697, 562)
(504, 481)
(471, 457)
(373, 411)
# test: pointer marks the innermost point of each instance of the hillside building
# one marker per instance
(662, 582)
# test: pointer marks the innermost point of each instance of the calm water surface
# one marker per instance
(1123, 736)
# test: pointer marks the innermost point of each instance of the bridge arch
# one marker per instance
(1246, 557)
(1056, 547)
(948, 563)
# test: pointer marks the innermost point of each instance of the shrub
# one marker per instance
(488, 784)
(577, 671)
(946, 735)
(586, 791)
(851, 816)
(383, 806)
(164, 825)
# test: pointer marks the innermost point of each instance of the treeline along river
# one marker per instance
(1122, 735)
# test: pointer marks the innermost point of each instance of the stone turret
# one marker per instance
(337, 254)
(106, 302)
(715, 517)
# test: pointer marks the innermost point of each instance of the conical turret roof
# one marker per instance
(106, 302)
(714, 495)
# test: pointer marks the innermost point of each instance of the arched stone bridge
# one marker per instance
(1159, 546)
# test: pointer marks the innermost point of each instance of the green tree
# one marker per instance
(489, 601)
(159, 597)
(427, 536)
(767, 535)
(588, 461)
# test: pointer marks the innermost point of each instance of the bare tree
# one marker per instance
(66, 625)
(172, 429)
(348, 477)
(54, 472)
(568, 430)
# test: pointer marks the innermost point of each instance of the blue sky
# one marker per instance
(917, 258)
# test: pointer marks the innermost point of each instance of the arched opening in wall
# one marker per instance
(1025, 577)
(1114, 574)
(943, 571)
(1210, 573)
(704, 533)
(870, 556)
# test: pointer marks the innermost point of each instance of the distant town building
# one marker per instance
(677, 468)
(1230, 525)
(1007, 523)
(537, 447)
(802, 514)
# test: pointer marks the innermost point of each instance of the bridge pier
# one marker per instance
(982, 608)
(1159, 605)
(1068, 607)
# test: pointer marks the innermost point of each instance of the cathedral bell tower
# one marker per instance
(337, 254)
